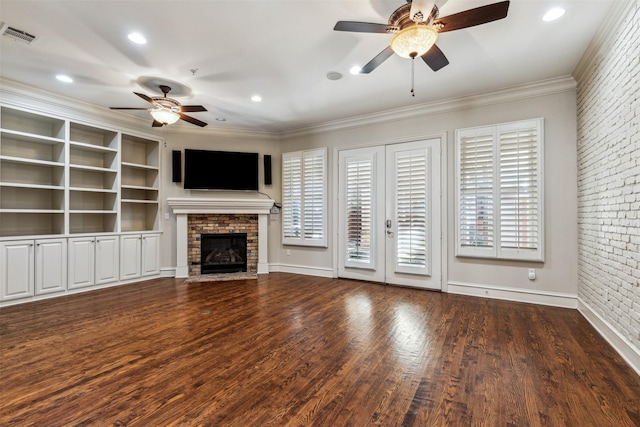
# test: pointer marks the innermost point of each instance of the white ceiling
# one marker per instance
(282, 50)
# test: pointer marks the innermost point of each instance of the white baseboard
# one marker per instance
(168, 272)
(619, 343)
(554, 299)
(299, 269)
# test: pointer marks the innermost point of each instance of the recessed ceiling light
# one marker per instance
(137, 38)
(553, 14)
(256, 98)
(334, 75)
(221, 119)
(64, 78)
(355, 69)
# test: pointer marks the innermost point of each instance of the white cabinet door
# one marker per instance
(107, 259)
(81, 262)
(130, 253)
(150, 254)
(51, 266)
(17, 269)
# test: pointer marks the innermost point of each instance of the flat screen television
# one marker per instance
(220, 170)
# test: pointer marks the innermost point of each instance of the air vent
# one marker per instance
(18, 35)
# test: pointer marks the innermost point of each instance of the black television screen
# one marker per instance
(220, 170)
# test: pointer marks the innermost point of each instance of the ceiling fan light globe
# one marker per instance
(415, 40)
(165, 116)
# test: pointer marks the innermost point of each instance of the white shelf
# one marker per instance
(91, 211)
(29, 137)
(139, 201)
(138, 187)
(92, 168)
(93, 190)
(92, 147)
(139, 166)
(34, 186)
(31, 161)
(40, 211)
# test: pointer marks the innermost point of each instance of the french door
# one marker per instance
(389, 214)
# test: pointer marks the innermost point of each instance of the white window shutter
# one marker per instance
(314, 178)
(520, 189)
(476, 213)
(359, 207)
(412, 212)
(291, 196)
(499, 190)
(304, 198)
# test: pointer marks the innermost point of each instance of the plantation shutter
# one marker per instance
(476, 188)
(291, 195)
(412, 211)
(499, 191)
(519, 222)
(304, 198)
(314, 185)
(359, 206)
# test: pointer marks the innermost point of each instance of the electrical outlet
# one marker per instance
(606, 294)
(532, 274)
(288, 252)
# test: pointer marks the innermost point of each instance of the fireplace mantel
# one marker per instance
(182, 207)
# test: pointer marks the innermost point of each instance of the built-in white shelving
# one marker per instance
(61, 177)
(70, 193)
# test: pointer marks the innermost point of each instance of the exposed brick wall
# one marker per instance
(221, 224)
(609, 175)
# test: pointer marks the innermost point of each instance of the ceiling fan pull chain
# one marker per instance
(413, 59)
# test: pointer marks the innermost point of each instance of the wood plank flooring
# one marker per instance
(296, 350)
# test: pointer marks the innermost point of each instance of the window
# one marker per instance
(304, 198)
(499, 197)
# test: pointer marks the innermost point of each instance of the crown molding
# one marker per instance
(40, 101)
(50, 103)
(605, 36)
(520, 92)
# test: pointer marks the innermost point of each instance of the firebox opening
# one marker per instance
(223, 253)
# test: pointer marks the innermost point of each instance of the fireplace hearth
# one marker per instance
(223, 253)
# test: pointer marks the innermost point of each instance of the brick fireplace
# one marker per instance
(222, 225)
(197, 216)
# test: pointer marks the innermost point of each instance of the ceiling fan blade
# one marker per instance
(472, 17)
(191, 108)
(435, 59)
(362, 27)
(127, 108)
(145, 97)
(375, 62)
(192, 120)
(157, 124)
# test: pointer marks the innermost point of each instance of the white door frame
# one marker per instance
(444, 199)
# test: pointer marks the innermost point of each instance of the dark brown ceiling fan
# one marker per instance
(167, 110)
(419, 22)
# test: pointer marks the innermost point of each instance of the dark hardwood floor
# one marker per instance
(297, 350)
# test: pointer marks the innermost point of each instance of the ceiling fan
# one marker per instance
(416, 26)
(166, 111)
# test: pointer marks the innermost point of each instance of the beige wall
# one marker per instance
(203, 139)
(558, 275)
